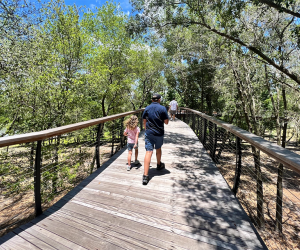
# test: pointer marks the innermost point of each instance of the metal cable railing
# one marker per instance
(263, 176)
(37, 169)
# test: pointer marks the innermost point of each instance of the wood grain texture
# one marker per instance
(186, 206)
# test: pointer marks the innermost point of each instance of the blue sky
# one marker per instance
(125, 5)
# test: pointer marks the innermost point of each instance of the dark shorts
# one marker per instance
(172, 112)
(152, 141)
(131, 145)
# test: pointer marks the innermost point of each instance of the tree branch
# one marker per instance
(291, 75)
(278, 7)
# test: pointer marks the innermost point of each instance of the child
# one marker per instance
(132, 131)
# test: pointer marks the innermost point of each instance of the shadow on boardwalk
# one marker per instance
(210, 204)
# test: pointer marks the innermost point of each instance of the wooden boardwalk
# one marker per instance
(186, 206)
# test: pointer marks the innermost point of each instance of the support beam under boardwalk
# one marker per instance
(186, 206)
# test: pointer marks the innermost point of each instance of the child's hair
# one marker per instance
(132, 122)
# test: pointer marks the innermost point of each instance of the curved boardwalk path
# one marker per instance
(186, 206)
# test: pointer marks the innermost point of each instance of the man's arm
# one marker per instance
(165, 115)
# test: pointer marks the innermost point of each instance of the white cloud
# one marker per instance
(92, 6)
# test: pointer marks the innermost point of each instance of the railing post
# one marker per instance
(211, 138)
(198, 135)
(121, 132)
(215, 141)
(193, 122)
(97, 152)
(113, 139)
(141, 121)
(37, 180)
(201, 129)
(204, 133)
(238, 166)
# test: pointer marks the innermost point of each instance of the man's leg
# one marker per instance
(158, 155)
(147, 161)
(159, 143)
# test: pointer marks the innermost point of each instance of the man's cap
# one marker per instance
(156, 96)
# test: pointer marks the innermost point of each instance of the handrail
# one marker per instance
(41, 135)
(286, 157)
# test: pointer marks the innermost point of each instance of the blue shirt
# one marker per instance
(155, 114)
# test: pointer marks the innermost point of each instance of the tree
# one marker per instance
(108, 48)
(224, 18)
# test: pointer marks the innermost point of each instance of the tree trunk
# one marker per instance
(32, 155)
(278, 225)
(255, 153)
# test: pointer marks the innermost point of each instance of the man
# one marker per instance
(173, 109)
(154, 118)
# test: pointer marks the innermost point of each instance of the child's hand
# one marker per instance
(135, 146)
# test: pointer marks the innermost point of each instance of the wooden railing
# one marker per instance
(39, 167)
(263, 176)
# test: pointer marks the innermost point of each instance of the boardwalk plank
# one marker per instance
(217, 229)
(121, 236)
(158, 212)
(33, 240)
(158, 237)
(103, 233)
(81, 238)
(15, 242)
(46, 236)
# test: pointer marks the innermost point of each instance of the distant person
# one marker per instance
(154, 118)
(173, 109)
(132, 131)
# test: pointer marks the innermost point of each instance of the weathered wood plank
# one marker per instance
(122, 238)
(33, 240)
(157, 236)
(82, 238)
(221, 228)
(15, 242)
(45, 236)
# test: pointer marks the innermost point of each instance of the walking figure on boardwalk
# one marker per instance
(132, 131)
(173, 109)
(154, 118)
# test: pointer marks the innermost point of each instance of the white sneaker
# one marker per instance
(171, 119)
(128, 168)
(137, 162)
